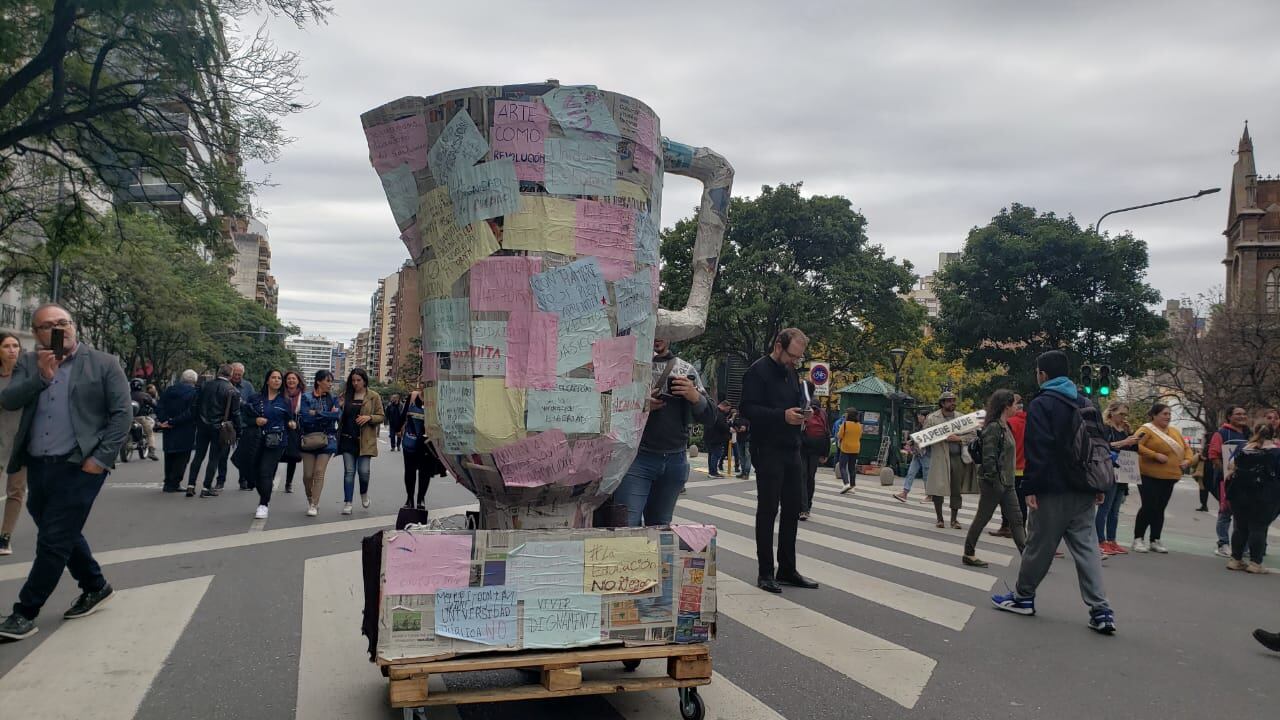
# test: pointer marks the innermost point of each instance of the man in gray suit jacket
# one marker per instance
(75, 417)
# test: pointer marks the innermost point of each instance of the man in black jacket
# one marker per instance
(218, 400)
(395, 418)
(774, 404)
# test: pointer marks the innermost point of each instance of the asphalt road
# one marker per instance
(219, 617)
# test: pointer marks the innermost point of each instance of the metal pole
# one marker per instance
(1208, 191)
(57, 281)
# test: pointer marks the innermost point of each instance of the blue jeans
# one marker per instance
(1224, 526)
(350, 466)
(919, 464)
(651, 486)
(744, 458)
(59, 498)
(1108, 516)
(715, 456)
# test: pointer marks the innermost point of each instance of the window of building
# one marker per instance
(1272, 290)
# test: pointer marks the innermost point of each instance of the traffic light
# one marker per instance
(1086, 378)
(1104, 380)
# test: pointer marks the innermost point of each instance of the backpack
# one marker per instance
(975, 449)
(816, 426)
(1088, 454)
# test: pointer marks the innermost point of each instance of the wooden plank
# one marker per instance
(556, 679)
(542, 659)
(408, 693)
(689, 667)
(537, 692)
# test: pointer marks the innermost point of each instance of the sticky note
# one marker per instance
(459, 146)
(561, 620)
(519, 131)
(499, 414)
(501, 282)
(537, 460)
(580, 167)
(487, 355)
(572, 406)
(646, 241)
(412, 239)
(644, 333)
(633, 296)
(449, 250)
(446, 324)
(398, 142)
(485, 615)
(457, 410)
(572, 291)
(402, 193)
(543, 223)
(697, 537)
(604, 230)
(483, 191)
(421, 564)
(589, 457)
(647, 131)
(613, 359)
(573, 344)
(620, 565)
(614, 269)
(531, 349)
(553, 566)
(580, 108)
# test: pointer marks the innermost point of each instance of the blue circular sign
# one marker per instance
(819, 374)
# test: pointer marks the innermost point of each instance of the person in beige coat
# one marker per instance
(949, 474)
(358, 435)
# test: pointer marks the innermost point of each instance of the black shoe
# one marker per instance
(221, 484)
(15, 627)
(768, 584)
(422, 506)
(171, 489)
(795, 579)
(89, 603)
(191, 491)
(408, 505)
(1203, 508)
(804, 514)
(714, 475)
(208, 493)
(5, 547)
(154, 457)
(288, 487)
(1269, 640)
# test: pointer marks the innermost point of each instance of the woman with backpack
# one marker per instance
(420, 460)
(996, 476)
(815, 447)
(1163, 455)
(1253, 493)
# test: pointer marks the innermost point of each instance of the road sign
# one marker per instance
(820, 374)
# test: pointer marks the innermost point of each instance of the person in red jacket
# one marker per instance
(1018, 424)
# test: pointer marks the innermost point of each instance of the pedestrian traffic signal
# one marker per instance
(1086, 379)
(1104, 380)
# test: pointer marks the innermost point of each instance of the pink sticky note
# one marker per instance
(401, 141)
(647, 132)
(519, 132)
(613, 359)
(614, 269)
(604, 230)
(430, 366)
(412, 239)
(502, 282)
(420, 564)
(537, 460)
(697, 537)
(531, 350)
(590, 456)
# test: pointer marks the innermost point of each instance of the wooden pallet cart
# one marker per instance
(560, 675)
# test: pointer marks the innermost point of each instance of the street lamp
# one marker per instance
(1202, 193)
(896, 357)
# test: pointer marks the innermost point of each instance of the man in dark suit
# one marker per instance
(395, 419)
(75, 418)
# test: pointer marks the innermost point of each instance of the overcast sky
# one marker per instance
(929, 116)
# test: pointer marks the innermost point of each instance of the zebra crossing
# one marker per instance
(866, 549)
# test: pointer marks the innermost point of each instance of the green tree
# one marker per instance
(1027, 283)
(790, 260)
(926, 369)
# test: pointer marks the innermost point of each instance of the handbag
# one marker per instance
(272, 439)
(314, 441)
(409, 443)
(226, 428)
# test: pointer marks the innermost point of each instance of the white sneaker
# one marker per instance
(1140, 545)
(311, 511)
(364, 501)
(1223, 551)
(346, 509)
(846, 489)
(261, 514)
(1158, 547)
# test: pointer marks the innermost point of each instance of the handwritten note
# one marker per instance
(550, 566)
(483, 191)
(937, 433)
(422, 563)
(646, 238)
(487, 355)
(412, 239)
(502, 282)
(633, 296)
(620, 565)
(543, 223)
(485, 615)
(589, 458)
(644, 333)
(519, 131)
(457, 409)
(573, 406)
(1128, 471)
(581, 108)
(580, 167)
(564, 620)
(697, 537)
(402, 193)
(499, 414)
(647, 131)
(446, 325)
(573, 291)
(531, 349)
(605, 230)
(614, 359)
(538, 460)
(573, 344)
(394, 143)
(459, 146)
(448, 250)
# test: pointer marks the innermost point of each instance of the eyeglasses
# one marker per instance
(59, 324)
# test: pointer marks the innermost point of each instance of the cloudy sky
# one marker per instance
(929, 116)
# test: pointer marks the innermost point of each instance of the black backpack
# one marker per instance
(1087, 454)
(975, 449)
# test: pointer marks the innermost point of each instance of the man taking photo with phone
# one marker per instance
(75, 417)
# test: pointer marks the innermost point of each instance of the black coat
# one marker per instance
(178, 407)
(768, 390)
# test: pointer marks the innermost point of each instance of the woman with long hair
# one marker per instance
(420, 460)
(15, 484)
(995, 477)
(272, 419)
(319, 412)
(1163, 455)
(1252, 494)
(294, 387)
(358, 435)
(1116, 431)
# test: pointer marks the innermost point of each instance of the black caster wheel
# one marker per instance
(630, 665)
(691, 707)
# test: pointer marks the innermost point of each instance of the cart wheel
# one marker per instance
(418, 713)
(630, 665)
(691, 707)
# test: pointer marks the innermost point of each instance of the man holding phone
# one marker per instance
(75, 418)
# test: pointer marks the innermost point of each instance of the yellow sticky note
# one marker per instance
(620, 565)
(543, 223)
(628, 189)
(430, 402)
(499, 414)
(449, 249)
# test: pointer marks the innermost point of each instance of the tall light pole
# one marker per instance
(896, 357)
(1202, 193)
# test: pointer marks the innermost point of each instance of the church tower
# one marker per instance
(1253, 234)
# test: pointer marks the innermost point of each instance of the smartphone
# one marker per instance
(57, 343)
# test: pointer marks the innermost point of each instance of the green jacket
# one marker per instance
(999, 454)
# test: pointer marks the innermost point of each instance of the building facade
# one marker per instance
(406, 366)
(250, 265)
(313, 353)
(339, 364)
(382, 328)
(923, 294)
(358, 357)
(1253, 234)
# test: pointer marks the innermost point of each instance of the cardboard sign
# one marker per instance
(938, 433)
(1127, 472)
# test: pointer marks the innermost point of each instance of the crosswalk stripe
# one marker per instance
(889, 669)
(923, 512)
(918, 603)
(882, 492)
(943, 546)
(723, 699)
(103, 665)
(939, 570)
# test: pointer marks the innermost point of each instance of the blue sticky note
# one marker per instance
(633, 296)
(484, 191)
(562, 620)
(485, 615)
(574, 338)
(573, 291)
(580, 167)
(581, 108)
(646, 239)
(402, 192)
(573, 407)
(446, 325)
(676, 156)
(456, 407)
(459, 146)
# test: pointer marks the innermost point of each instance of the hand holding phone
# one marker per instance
(57, 342)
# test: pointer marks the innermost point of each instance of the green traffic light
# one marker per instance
(1104, 390)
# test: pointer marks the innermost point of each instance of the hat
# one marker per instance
(948, 395)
